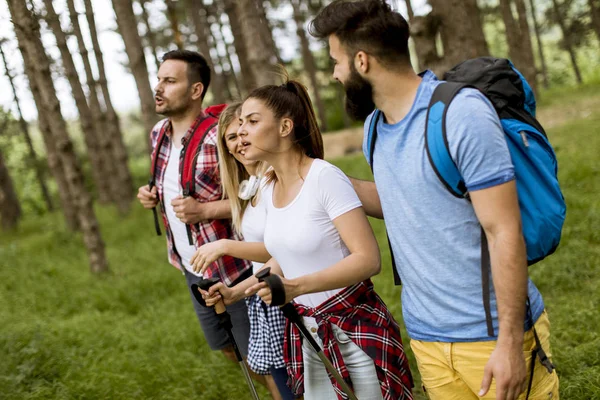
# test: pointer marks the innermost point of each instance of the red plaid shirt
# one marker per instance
(364, 317)
(207, 188)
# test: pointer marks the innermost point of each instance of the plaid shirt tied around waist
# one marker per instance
(364, 317)
(207, 187)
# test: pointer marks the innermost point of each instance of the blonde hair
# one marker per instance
(233, 172)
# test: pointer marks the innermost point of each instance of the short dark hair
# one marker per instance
(368, 25)
(198, 69)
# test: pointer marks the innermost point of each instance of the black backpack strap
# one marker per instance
(372, 137)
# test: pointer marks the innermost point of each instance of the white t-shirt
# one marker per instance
(253, 221)
(301, 236)
(172, 189)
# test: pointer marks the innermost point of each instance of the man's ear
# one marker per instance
(197, 89)
(286, 127)
(361, 62)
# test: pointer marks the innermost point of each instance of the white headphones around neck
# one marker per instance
(249, 187)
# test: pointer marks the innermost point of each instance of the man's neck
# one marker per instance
(181, 123)
(394, 93)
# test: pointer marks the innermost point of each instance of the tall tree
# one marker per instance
(198, 13)
(172, 16)
(233, 78)
(149, 36)
(28, 36)
(460, 28)
(595, 12)
(567, 40)
(123, 175)
(540, 47)
(232, 10)
(101, 171)
(308, 59)
(262, 60)
(10, 209)
(127, 26)
(409, 9)
(518, 37)
(267, 29)
(25, 131)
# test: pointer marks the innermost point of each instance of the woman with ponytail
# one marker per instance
(324, 250)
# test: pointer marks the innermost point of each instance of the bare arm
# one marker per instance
(367, 193)
(498, 212)
(211, 252)
(362, 263)
(191, 211)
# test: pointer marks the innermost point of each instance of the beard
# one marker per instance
(359, 96)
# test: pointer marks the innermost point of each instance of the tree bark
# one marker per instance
(120, 156)
(424, 30)
(198, 14)
(10, 209)
(127, 26)
(409, 10)
(267, 30)
(28, 36)
(460, 29)
(150, 38)
(595, 12)
(89, 126)
(232, 10)
(172, 16)
(262, 60)
(518, 37)
(540, 47)
(232, 74)
(309, 62)
(25, 131)
(567, 41)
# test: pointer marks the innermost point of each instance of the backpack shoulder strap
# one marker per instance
(436, 141)
(372, 136)
(191, 151)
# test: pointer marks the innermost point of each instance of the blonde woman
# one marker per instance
(241, 180)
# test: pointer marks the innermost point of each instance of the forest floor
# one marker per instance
(132, 333)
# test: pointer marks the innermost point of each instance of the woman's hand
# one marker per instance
(218, 292)
(291, 287)
(207, 254)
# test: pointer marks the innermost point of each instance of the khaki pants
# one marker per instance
(454, 371)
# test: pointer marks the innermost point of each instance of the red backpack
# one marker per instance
(190, 153)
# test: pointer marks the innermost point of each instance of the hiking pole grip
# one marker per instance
(156, 224)
(275, 284)
(206, 284)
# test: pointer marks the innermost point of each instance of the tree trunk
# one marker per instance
(409, 10)
(127, 26)
(424, 30)
(519, 39)
(172, 16)
(267, 29)
(198, 14)
(262, 61)
(567, 41)
(120, 156)
(232, 73)
(540, 47)
(28, 36)
(89, 127)
(10, 210)
(149, 33)
(232, 11)
(460, 29)
(25, 130)
(595, 12)
(309, 62)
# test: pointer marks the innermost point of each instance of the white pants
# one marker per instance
(317, 385)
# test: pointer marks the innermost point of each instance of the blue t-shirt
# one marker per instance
(436, 237)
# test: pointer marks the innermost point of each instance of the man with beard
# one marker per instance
(183, 80)
(435, 237)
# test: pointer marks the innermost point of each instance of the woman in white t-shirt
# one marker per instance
(265, 349)
(324, 249)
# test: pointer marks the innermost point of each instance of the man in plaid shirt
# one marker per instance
(183, 80)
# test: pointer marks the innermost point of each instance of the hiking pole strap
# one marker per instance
(156, 224)
(275, 284)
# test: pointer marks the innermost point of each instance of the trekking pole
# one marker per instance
(225, 322)
(290, 312)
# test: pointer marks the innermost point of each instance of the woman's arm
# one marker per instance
(362, 263)
(210, 252)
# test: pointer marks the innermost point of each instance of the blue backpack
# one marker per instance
(540, 199)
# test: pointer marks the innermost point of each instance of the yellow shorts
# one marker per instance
(454, 371)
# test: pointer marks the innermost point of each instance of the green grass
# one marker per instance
(130, 334)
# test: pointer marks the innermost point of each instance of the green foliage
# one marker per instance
(67, 334)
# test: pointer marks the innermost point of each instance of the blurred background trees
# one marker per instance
(100, 153)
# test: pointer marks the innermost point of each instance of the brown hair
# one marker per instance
(368, 25)
(291, 100)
